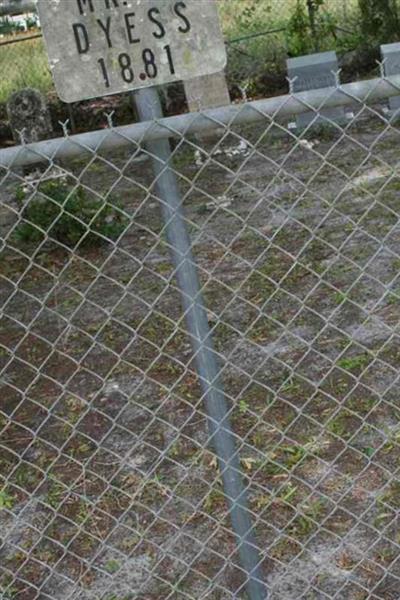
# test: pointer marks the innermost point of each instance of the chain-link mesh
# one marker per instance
(109, 484)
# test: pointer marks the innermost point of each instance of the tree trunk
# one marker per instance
(312, 9)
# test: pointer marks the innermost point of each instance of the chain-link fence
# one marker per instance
(114, 482)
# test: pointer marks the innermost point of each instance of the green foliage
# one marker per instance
(253, 57)
(112, 566)
(6, 500)
(7, 27)
(298, 36)
(67, 214)
(245, 16)
(294, 27)
(24, 64)
(379, 20)
(310, 29)
(32, 22)
(354, 362)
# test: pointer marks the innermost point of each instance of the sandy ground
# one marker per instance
(111, 489)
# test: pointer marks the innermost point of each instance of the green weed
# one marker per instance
(112, 566)
(66, 214)
(354, 362)
(24, 65)
(6, 500)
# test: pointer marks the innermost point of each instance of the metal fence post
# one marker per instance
(149, 108)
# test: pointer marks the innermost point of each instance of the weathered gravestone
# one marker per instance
(29, 116)
(313, 72)
(209, 91)
(390, 54)
(29, 121)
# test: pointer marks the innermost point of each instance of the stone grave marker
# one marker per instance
(390, 54)
(312, 72)
(209, 91)
(28, 112)
(29, 120)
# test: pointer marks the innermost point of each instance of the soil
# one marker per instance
(111, 489)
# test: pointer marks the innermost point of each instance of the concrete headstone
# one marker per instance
(28, 112)
(390, 54)
(312, 72)
(209, 91)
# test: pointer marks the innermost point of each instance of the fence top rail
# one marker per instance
(276, 108)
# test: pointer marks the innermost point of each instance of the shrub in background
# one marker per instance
(8, 27)
(379, 20)
(310, 28)
(67, 214)
(296, 27)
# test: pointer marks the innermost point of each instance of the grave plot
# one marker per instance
(111, 486)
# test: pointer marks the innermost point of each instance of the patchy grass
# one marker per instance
(24, 64)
